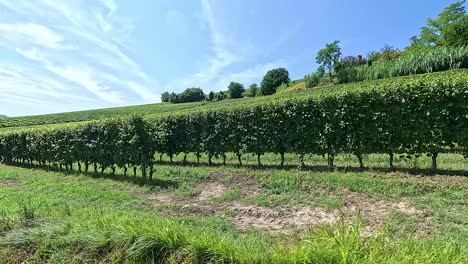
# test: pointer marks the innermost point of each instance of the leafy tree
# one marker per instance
(220, 96)
(211, 96)
(450, 28)
(252, 91)
(273, 79)
(173, 98)
(235, 90)
(192, 95)
(329, 56)
(387, 53)
(189, 95)
(165, 97)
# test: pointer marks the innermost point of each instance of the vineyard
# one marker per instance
(362, 160)
(331, 175)
(418, 115)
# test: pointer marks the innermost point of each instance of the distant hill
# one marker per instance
(3, 116)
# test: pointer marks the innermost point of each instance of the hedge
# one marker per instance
(425, 114)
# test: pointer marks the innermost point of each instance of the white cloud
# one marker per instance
(34, 33)
(219, 72)
(79, 45)
(20, 84)
(87, 77)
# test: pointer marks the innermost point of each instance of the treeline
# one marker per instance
(425, 114)
(272, 80)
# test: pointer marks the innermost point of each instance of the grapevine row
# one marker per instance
(426, 114)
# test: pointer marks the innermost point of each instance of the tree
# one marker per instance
(450, 28)
(191, 95)
(173, 98)
(252, 91)
(211, 96)
(165, 97)
(387, 53)
(272, 80)
(235, 90)
(329, 56)
(219, 96)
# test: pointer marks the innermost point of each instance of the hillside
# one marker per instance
(3, 116)
(161, 109)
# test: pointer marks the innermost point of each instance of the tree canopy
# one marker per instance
(235, 90)
(273, 79)
(189, 95)
(450, 28)
(329, 56)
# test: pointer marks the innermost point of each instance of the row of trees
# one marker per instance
(448, 31)
(423, 114)
(270, 83)
(189, 95)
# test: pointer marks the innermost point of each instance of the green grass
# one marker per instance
(71, 218)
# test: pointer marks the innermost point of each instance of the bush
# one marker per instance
(273, 79)
(313, 80)
(252, 91)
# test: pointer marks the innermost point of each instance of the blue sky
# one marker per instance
(60, 56)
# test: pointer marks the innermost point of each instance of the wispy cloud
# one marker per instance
(220, 68)
(75, 44)
(33, 33)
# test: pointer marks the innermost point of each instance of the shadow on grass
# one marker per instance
(163, 184)
(319, 168)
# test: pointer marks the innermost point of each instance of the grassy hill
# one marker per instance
(160, 109)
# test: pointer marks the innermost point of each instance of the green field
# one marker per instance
(217, 213)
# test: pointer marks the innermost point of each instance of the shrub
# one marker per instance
(252, 91)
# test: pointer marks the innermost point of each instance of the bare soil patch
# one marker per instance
(211, 190)
(260, 217)
(374, 212)
(9, 183)
(247, 184)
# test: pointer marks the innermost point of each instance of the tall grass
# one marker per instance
(434, 60)
(165, 241)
